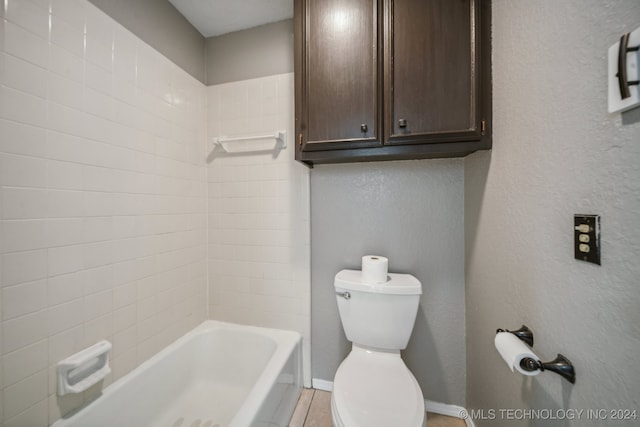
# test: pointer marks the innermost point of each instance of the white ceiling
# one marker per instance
(216, 17)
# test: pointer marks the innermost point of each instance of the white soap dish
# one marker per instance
(81, 370)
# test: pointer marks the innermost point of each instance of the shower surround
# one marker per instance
(106, 206)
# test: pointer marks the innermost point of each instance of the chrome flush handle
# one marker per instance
(345, 295)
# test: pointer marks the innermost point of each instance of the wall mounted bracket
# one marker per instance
(560, 365)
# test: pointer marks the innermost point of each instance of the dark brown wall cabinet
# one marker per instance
(391, 79)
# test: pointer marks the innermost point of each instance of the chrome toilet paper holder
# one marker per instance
(561, 365)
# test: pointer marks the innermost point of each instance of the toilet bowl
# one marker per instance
(376, 389)
(373, 387)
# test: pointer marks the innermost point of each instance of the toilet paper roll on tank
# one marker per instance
(375, 269)
(513, 350)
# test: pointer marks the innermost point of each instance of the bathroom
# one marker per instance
(124, 228)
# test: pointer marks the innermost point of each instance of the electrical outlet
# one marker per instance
(586, 238)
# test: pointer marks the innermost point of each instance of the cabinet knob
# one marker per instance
(402, 123)
(363, 128)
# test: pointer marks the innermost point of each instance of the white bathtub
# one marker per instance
(218, 374)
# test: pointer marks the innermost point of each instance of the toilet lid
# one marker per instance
(376, 390)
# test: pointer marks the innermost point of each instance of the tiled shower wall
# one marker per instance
(102, 199)
(259, 260)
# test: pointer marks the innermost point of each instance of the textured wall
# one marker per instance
(102, 200)
(258, 211)
(411, 212)
(557, 152)
(262, 51)
(158, 23)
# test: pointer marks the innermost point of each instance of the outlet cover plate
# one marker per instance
(586, 241)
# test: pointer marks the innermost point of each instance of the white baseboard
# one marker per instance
(319, 384)
(449, 410)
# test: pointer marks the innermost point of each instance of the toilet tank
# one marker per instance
(379, 316)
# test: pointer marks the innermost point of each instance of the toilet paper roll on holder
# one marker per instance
(524, 333)
(560, 365)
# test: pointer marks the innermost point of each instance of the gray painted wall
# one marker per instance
(161, 26)
(556, 152)
(413, 213)
(248, 54)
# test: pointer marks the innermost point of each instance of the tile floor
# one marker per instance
(314, 410)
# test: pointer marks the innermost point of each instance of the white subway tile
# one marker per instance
(145, 184)
(18, 138)
(72, 11)
(63, 232)
(65, 259)
(125, 114)
(64, 316)
(124, 363)
(28, 16)
(26, 45)
(23, 203)
(98, 79)
(22, 235)
(25, 362)
(61, 405)
(23, 331)
(22, 171)
(69, 148)
(97, 254)
(125, 295)
(97, 229)
(98, 329)
(64, 175)
(66, 64)
(65, 344)
(22, 107)
(64, 204)
(99, 52)
(35, 416)
(65, 91)
(147, 328)
(124, 273)
(24, 394)
(124, 227)
(125, 319)
(96, 280)
(97, 305)
(124, 91)
(64, 288)
(124, 55)
(65, 120)
(67, 36)
(98, 103)
(23, 76)
(98, 204)
(125, 136)
(21, 267)
(99, 179)
(22, 299)
(98, 129)
(98, 25)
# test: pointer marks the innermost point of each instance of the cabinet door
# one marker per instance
(431, 71)
(337, 101)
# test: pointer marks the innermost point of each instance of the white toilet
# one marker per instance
(373, 387)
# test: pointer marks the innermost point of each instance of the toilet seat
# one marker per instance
(376, 389)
